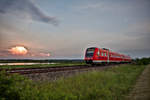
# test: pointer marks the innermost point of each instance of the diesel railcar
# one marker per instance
(95, 55)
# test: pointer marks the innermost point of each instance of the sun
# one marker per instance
(18, 50)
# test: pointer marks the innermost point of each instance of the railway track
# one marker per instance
(49, 69)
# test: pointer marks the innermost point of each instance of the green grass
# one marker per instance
(110, 84)
(41, 65)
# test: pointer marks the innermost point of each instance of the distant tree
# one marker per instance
(142, 61)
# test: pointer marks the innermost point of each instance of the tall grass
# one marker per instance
(110, 84)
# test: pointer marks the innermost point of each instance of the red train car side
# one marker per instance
(103, 55)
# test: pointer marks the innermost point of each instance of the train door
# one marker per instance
(107, 56)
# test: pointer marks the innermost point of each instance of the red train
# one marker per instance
(102, 55)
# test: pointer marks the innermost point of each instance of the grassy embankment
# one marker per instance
(110, 84)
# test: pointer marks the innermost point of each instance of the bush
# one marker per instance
(16, 87)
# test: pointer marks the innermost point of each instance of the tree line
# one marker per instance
(142, 61)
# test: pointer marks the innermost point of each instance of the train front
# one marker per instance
(89, 55)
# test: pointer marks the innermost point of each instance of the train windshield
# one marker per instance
(90, 52)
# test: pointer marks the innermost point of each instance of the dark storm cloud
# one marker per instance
(135, 53)
(138, 47)
(26, 7)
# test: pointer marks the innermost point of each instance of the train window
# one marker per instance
(98, 53)
(102, 54)
(89, 52)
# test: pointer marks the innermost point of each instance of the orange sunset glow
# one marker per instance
(18, 50)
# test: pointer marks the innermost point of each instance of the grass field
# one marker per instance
(42, 65)
(110, 84)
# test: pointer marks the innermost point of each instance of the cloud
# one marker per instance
(45, 54)
(27, 8)
(7, 53)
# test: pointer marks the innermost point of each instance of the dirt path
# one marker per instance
(141, 90)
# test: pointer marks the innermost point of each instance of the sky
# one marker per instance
(51, 29)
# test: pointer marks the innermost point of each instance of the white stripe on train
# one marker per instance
(98, 61)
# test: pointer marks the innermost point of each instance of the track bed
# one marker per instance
(51, 69)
